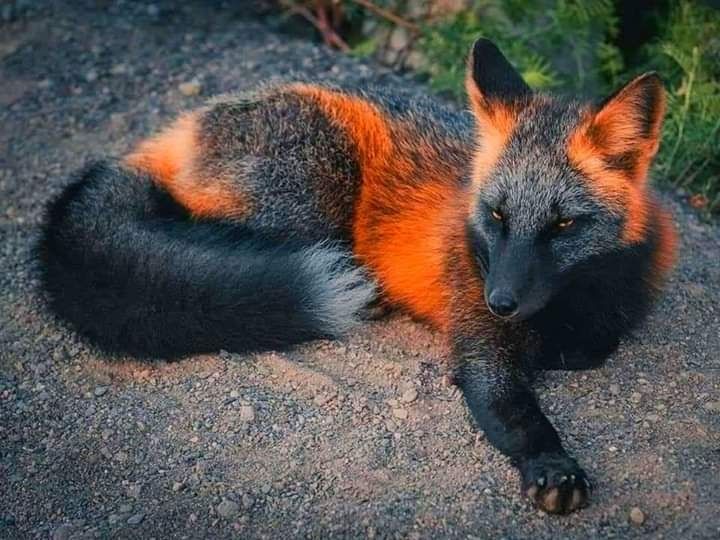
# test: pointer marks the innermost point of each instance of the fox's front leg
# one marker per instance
(506, 409)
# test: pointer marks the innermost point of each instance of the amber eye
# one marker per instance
(565, 223)
(497, 215)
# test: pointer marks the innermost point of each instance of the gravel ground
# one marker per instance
(358, 438)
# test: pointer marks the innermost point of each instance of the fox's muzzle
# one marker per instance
(518, 282)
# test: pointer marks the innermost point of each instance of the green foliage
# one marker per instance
(564, 42)
(687, 54)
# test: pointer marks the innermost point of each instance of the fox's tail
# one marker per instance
(132, 273)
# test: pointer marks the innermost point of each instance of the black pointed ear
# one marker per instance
(491, 78)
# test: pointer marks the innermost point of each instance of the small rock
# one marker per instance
(234, 394)
(177, 486)
(322, 399)
(614, 389)
(409, 396)
(227, 509)
(113, 519)
(125, 508)
(247, 413)
(190, 88)
(637, 516)
(135, 519)
(100, 391)
(399, 413)
(63, 532)
(636, 397)
(91, 76)
(119, 69)
(247, 501)
(712, 406)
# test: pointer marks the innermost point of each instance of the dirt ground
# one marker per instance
(357, 438)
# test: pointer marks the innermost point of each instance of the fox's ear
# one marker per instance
(625, 129)
(490, 79)
(497, 93)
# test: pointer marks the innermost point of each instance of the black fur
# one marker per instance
(132, 273)
(496, 78)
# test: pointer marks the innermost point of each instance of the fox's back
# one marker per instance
(290, 160)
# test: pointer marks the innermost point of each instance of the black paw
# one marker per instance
(555, 483)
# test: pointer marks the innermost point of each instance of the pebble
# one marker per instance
(234, 394)
(190, 88)
(322, 399)
(637, 516)
(713, 406)
(247, 501)
(100, 391)
(227, 509)
(91, 76)
(636, 397)
(409, 396)
(119, 69)
(177, 486)
(247, 413)
(63, 532)
(402, 414)
(135, 519)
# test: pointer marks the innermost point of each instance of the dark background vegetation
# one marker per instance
(580, 46)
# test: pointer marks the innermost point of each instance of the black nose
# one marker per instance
(502, 303)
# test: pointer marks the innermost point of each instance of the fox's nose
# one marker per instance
(502, 303)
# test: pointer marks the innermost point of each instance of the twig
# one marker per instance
(389, 15)
(320, 22)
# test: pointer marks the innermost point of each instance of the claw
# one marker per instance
(587, 484)
(541, 481)
(563, 479)
(572, 478)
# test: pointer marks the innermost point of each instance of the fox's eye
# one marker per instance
(564, 223)
(497, 215)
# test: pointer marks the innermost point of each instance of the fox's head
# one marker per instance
(556, 183)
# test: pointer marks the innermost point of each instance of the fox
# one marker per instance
(524, 229)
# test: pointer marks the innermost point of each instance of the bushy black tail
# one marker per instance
(132, 273)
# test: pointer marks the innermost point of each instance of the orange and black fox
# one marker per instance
(524, 229)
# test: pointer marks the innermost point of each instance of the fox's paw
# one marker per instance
(555, 483)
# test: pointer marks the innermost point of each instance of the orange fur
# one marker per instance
(169, 158)
(407, 248)
(666, 254)
(361, 120)
(620, 131)
(611, 186)
(496, 123)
